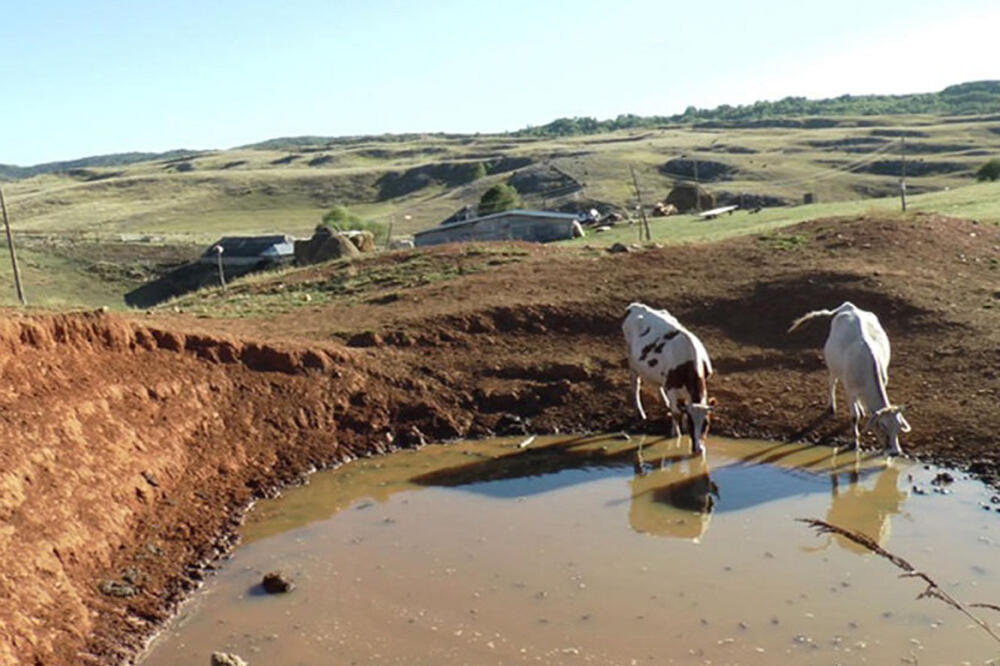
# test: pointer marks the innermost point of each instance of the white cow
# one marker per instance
(857, 355)
(660, 350)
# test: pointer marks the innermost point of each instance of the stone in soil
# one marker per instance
(226, 659)
(277, 583)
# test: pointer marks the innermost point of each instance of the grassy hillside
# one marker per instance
(415, 182)
(980, 202)
(94, 228)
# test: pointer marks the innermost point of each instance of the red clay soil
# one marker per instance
(131, 447)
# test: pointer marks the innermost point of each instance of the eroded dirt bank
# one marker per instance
(129, 447)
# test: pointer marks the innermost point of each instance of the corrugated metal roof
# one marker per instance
(252, 246)
(543, 214)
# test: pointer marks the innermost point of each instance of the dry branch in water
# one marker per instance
(933, 590)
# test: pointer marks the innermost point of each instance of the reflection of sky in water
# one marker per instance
(675, 494)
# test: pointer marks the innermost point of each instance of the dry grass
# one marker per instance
(246, 190)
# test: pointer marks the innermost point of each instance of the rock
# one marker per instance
(365, 339)
(618, 247)
(226, 659)
(113, 588)
(511, 424)
(277, 583)
(943, 479)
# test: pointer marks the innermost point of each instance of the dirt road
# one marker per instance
(130, 447)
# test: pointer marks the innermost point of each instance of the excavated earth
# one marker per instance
(131, 446)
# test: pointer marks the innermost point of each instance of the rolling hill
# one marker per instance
(178, 200)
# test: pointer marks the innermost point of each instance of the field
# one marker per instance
(428, 178)
(160, 428)
(173, 207)
(135, 441)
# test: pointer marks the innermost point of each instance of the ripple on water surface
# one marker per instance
(574, 550)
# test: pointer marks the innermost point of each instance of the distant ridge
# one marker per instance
(13, 172)
(964, 99)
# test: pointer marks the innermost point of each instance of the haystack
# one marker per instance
(324, 246)
(686, 196)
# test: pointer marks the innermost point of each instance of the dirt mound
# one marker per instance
(452, 174)
(544, 179)
(913, 167)
(705, 171)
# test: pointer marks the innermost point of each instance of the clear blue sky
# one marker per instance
(90, 77)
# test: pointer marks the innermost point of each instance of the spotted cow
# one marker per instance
(663, 352)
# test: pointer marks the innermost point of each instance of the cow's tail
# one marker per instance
(818, 313)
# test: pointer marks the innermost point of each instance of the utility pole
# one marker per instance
(222, 274)
(697, 188)
(902, 180)
(642, 210)
(13, 254)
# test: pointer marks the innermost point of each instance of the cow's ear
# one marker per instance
(712, 402)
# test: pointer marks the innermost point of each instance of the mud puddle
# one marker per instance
(570, 551)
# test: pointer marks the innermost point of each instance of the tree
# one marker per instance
(478, 171)
(339, 218)
(499, 198)
(989, 171)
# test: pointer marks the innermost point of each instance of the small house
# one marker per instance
(537, 226)
(251, 250)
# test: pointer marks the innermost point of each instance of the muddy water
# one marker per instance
(573, 551)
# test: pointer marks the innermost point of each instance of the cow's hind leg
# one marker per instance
(637, 390)
(856, 415)
(833, 393)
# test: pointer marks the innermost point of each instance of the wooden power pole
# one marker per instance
(222, 273)
(642, 210)
(902, 166)
(13, 254)
(697, 187)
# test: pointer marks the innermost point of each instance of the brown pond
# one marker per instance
(563, 553)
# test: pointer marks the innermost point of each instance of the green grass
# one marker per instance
(980, 202)
(54, 282)
(347, 281)
(264, 194)
(246, 191)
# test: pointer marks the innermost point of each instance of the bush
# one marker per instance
(339, 218)
(499, 198)
(989, 171)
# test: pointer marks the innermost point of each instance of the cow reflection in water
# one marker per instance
(673, 497)
(865, 510)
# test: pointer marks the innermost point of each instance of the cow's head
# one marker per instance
(887, 423)
(700, 416)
